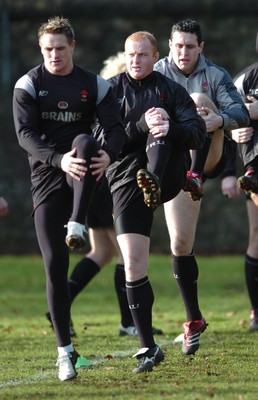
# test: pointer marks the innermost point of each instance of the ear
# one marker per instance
(201, 46)
(156, 56)
(169, 43)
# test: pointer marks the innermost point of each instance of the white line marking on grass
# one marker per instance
(97, 360)
(19, 381)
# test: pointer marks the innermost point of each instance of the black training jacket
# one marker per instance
(135, 97)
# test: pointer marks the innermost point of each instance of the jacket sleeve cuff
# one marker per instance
(142, 125)
(56, 160)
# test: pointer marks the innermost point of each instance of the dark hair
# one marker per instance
(188, 25)
(57, 25)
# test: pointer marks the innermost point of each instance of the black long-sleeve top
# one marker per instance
(51, 110)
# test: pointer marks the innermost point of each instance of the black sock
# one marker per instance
(199, 157)
(82, 274)
(251, 276)
(185, 270)
(119, 278)
(140, 298)
(158, 153)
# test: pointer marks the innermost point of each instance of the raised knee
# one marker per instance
(84, 142)
(202, 100)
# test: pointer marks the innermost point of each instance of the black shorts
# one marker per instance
(173, 181)
(136, 217)
(225, 157)
(100, 213)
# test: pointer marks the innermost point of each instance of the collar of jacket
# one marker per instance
(141, 82)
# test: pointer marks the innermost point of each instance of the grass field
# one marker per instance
(225, 367)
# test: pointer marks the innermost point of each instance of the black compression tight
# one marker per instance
(50, 218)
(87, 147)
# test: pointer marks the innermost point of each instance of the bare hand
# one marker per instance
(73, 166)
(163, 113)
(229, 187)
(99, 164)
(157, 120)
(3, 207)
(212, 120)
(242, 135)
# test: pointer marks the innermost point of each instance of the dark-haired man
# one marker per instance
(222, 108)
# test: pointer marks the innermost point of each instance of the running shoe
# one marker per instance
(149, 183)
(193, 185)
(76, 235)
(147, 358)
(192, 332)
(254, 320)
(71, 327)
(132, 331)
(248, 182)
(83, 362)
(66, 365)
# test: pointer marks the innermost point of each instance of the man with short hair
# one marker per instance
(222, 108)
(161, 124)
(54, 107)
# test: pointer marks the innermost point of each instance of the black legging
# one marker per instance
(87, 147)
(50, 217)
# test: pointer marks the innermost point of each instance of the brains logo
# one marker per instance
(62, 105)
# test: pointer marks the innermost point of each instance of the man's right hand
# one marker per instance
(73, 166)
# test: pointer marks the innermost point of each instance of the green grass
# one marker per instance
(225, 367)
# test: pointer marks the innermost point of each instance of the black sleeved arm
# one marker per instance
(26, 119)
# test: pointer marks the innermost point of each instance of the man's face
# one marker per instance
(57, 53)
(140, 58)
(185, 51)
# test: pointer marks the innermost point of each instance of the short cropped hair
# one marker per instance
(190, 26)
(140, 35)
(57, 25)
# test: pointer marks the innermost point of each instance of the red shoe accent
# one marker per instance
(192, 332)
(193, 185)
(248, 182)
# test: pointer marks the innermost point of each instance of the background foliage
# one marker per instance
(101, 27)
